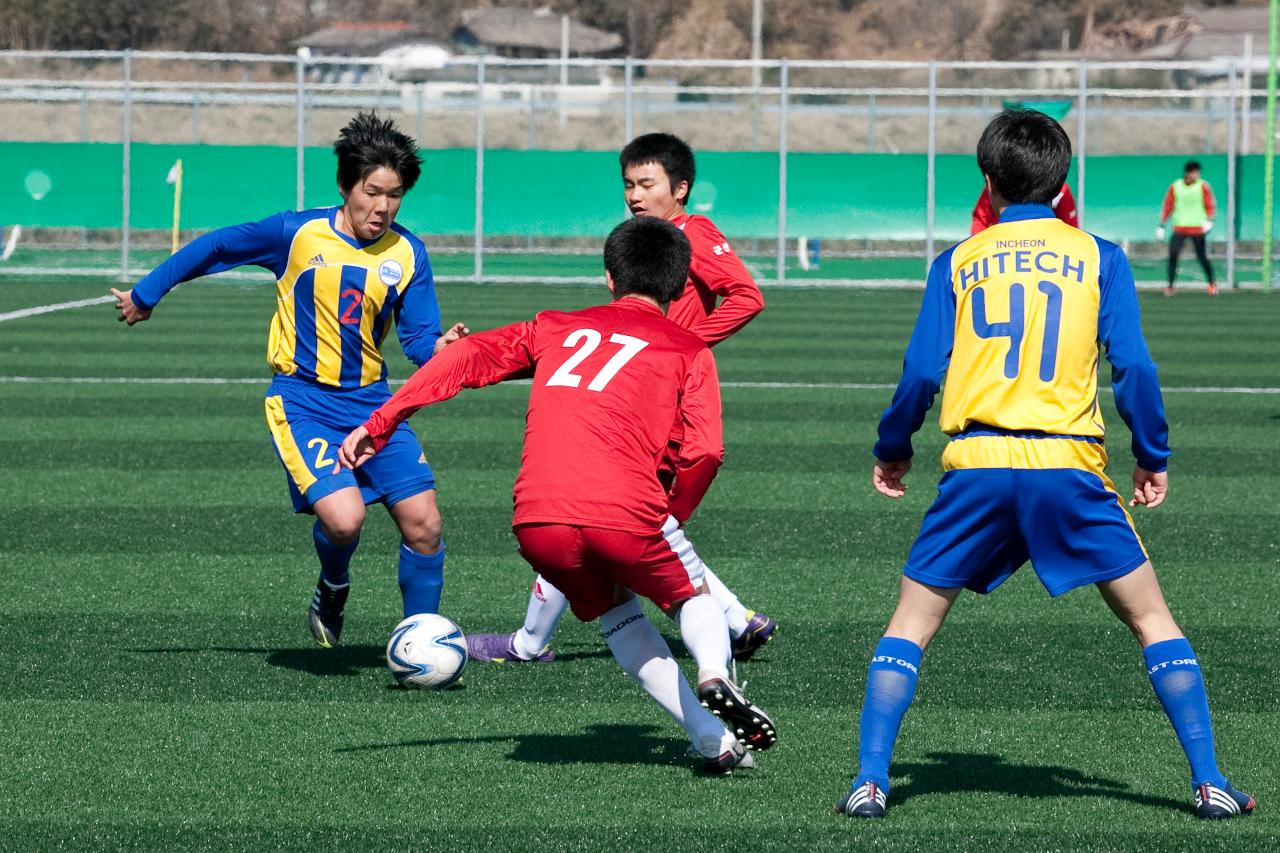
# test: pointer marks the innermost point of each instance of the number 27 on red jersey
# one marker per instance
(587, 341)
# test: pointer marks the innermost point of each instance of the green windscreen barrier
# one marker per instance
(560, 194)
(1056, 110)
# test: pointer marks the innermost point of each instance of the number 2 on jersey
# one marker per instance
(587, 340)
(1016, 327)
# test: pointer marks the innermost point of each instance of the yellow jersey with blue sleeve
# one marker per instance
(1013, 323)
(336, 299)
(1015, 318)
(336, 296)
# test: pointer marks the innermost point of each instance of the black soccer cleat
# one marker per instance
(760, 629)
(1214, 803)
(324, 617)
(748, 722)
(865, 800)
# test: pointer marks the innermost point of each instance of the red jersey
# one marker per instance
(984, 215)
(608, 382)
(715, 271)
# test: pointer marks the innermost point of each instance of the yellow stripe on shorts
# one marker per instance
(297, 467)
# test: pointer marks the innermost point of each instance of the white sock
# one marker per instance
(706, 636)
(645, 656)
(734, 613)
(546, 605)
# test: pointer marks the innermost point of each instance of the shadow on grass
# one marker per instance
(597, 744)
(343, 660)
(965, 772)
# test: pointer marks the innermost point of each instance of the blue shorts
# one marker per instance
(308, 423)
(986, 522)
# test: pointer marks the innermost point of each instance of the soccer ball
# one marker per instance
(427, 650)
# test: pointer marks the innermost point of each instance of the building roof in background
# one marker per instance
(1222, 32)
(1196, 35)
(534, 29)
(363, 38)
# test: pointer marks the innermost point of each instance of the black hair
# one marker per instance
(1192, 166)
(672, 153)
(1026, 154)
(648, 256)
(369, 143)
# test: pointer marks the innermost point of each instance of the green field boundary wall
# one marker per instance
(578, 193)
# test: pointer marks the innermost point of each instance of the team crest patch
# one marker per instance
(390, 272)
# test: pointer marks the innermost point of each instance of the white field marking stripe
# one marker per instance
(794, 386)
(837, 386)
(61, 306)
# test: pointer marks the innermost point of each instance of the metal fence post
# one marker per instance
(301, 131)
(533, 116)
(195, 117)
(478, 268)
(418, 124)
(781, 259)
(125, 166)
(871, 123)
(930, 166)
(1231, 174)
(1082, 139)
(628, 74)
(1246, 105)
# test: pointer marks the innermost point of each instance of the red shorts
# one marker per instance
(586, 563)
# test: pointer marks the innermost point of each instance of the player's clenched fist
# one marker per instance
(1149, 487)
(129, 312)
(887, 477)
(356, 448)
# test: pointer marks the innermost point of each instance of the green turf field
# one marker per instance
(160, 689)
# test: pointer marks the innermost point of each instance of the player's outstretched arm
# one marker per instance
(261, 244)
(887, 477)
(486, 358)
(129, 312)
(1149, 487)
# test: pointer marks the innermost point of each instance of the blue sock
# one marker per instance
(421, 577)
(1175, 675)
(334, 559)
(891, 682)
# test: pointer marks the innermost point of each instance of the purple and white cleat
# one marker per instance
(760, 629)
(501, 648)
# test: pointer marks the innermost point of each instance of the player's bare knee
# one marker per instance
(342, 528)
(422, 532)
(424, 539)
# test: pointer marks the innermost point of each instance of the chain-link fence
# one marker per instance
(821, 172)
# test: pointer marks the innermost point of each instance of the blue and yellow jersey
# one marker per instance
(336, 296)
(1014, 318)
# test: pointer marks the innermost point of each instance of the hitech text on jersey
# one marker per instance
(336, 296)
(1015, 317)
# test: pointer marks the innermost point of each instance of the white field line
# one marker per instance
(792, 386)
(765, 279)
(48, 309)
